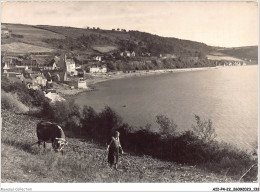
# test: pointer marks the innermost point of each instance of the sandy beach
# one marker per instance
(65, 90)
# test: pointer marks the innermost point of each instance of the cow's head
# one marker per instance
(58, 144)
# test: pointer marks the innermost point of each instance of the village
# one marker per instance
(67, 73)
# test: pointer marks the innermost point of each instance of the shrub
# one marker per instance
(167, 126)
(60, 111)
(204, 129)
(11, 101)
(47, 110)
(38, 97)
(66, 113)
(108, 122)
(74, 109)
(27, 96)
(73, 124)
(89, 120)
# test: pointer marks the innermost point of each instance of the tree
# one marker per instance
(89, 120)
(167, 126)
(204, 130)
(109, 121)
(73, 124)
(111, 66)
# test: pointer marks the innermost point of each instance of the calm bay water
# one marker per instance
(228, 96)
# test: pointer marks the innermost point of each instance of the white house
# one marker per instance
(70, 66)
(82, 84)
(4, 30)
(98, 58)
(127, 54)
(96, 69)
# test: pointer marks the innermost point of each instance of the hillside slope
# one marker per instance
(250, 52)
(29, 35)
(83, 161)
(80, 40)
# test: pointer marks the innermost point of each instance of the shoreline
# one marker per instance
(99, 78)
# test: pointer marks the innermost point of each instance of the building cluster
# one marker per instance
(5, 32)
(230, 63)
(38, 75)
(127, 54)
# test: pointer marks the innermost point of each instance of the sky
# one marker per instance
(225, 24)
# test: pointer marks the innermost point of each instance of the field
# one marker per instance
(97, 41)
(77, 32)
(83, 160)
(250, 52)
(31, 35)
(104, 49)
(222, 57)
(23, 48)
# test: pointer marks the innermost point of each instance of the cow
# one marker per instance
(50, 132)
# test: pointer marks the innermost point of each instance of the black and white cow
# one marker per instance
(50, 132)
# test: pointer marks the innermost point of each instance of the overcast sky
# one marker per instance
(229, 24)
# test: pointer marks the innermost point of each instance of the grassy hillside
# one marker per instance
(222, 57)
(86, 42)
(29, 35)
(242, 52)
(78, 40)
(24, 48)
(83, 160)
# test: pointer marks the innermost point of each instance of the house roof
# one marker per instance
(34, 76)
(70, 61)
(98, 66)
(36, 69)
(29, 71)
(61, 64)
(47, 73)
(27, 76)
(50, 64)
(56, 59)
(14, 79)
(12, 74)
(80, 70)
(26, 62)
(7, 58)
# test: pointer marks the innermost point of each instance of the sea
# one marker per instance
(226, 95)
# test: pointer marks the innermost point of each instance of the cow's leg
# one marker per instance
(52, 143)
(44, 145)
(39, 143)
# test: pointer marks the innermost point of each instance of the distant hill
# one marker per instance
(52, 40)
(244, 53)
(102, 41)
